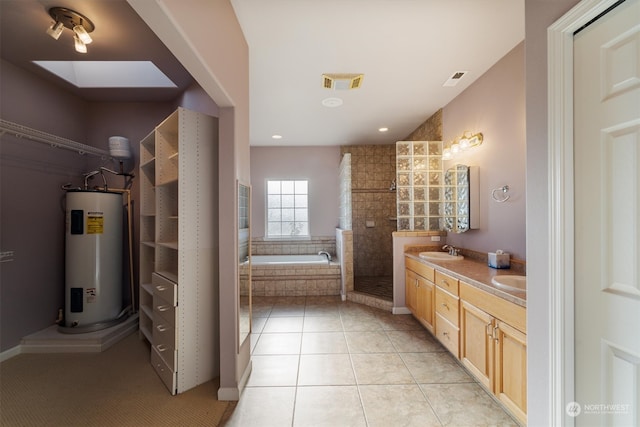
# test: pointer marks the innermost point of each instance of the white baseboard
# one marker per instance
(12, 352)
(228, 394)
(245, 376)
(400, 310)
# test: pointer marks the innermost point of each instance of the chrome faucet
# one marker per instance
(327, 254)
(452, 250)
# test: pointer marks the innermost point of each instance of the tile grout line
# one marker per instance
(355, 376)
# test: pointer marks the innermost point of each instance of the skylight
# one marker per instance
(108, 74)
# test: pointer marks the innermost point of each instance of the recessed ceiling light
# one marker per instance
(108, 74)
(276, 136)
(383, 129)
(332, 102)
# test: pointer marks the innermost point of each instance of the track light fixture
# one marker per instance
(76, 22)
(56, 29)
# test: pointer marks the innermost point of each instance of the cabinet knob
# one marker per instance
(445, 305)
(161, 328)
(163, 307)
(161, 348)
(446, 334)
(161, 288)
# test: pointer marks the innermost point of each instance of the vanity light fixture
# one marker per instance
(471, 141)
(76, 22)
(464, 143)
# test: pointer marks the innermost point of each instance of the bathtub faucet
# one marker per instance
(327, 254)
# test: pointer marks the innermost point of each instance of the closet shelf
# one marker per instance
(31, 134)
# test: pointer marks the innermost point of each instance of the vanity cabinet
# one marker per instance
(419, 293)
(485, 332)
(178, 255)
(493, 346)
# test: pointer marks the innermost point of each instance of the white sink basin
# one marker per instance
(511, 282)
(439, 256)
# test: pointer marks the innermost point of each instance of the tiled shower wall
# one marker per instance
(373, 168)
(294, 247)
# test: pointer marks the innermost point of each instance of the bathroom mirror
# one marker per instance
(243, 197)
(461, 200)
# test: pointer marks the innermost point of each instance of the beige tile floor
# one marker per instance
(318, 361)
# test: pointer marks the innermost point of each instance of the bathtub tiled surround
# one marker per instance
(298, 280)
(320, 361)
(295, 280)
(312, 246)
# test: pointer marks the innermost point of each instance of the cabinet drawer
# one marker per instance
(447, 306)
(448, 334)
(164, 340)
(165, 288)
(167, 354)
(447, 282)
(419, 268)
(513, 314)
(166, 374)
(163, 309)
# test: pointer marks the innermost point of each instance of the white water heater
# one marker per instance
(93, 257)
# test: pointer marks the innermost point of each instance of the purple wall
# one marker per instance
(320, 165)
(494, 105)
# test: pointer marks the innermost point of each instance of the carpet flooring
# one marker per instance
(117, 387)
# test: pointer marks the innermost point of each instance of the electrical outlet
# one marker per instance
(435, 238)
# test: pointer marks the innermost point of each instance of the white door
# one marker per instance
(607, 218)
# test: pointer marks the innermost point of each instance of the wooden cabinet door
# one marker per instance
(476, 344)
(511, 369)
(411, 290)
(425, 303)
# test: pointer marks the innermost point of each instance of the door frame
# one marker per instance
(561, 255)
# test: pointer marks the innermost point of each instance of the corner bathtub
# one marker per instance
(294, 275)
(288, 259)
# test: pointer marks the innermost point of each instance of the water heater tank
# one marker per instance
(93, 257)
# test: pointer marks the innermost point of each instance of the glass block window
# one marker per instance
(287, 208)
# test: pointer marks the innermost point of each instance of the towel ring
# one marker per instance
(501, 198)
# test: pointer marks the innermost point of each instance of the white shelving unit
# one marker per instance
(178, 249)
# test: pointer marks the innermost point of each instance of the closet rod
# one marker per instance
(21, 131)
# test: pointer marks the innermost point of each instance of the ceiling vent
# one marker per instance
(342, 81)
(454, 79)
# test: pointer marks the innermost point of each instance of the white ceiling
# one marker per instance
(406, 50)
